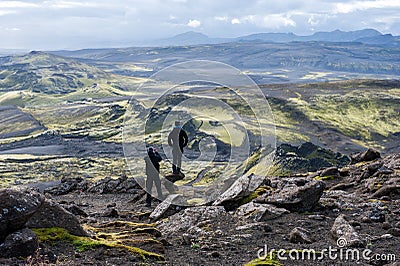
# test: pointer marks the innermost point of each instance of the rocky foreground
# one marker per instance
(77, 222)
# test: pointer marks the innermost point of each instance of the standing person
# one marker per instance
(153, 160)
(177, 139)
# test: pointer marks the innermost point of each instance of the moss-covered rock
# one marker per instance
(87, 243)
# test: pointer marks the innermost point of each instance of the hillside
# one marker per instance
(265, 62)
(343, 116)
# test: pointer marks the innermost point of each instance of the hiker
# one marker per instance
(177, 139)
(153, 160)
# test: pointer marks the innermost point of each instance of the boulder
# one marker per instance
(241, 188)
(376, 216)
(112, 212)
(16, 207)
(392, 161)
(21, 243)
(68, 185)
(190, 217)
(76, 210)
(368, 155)
(394, 232)
(300, 235)
(257, 212)
(165, 208)
(120, 185)
(296, 198)
(175, 177)
(307, 157)
(386, 190)
(345, 234)
(52, 214)
(331, 171)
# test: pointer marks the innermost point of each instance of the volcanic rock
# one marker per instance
(21, 243)
(16, 207)
(296, 198)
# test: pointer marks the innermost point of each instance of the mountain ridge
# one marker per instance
(367, 36)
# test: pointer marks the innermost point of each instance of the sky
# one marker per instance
(72, 24)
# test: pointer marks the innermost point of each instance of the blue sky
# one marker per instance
(72, 24)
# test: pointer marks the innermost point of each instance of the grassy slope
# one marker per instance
(351, 114)
(363, 113)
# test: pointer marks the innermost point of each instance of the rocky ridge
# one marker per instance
(357, 204)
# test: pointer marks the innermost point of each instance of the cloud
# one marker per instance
(69, 4)
(273, 21)
(352, 6)
(194, 23)
(16, 4)
(7, 12)
(74, 24)
(12, 29)
(235, 21)
(221, 18)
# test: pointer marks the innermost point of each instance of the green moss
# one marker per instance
(277, 170)
(324, 178)
(195, 246)
(269, 260)
(87, 243)
(126, 224)
(60, 234)
(258, 192)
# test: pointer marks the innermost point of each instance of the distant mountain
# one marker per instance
(386, 40)
(270, 37)
(190, 38)
(369, 36)
(341, 36)
(350, 57)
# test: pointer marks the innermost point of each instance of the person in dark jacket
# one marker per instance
(153, 160)
(177, 139)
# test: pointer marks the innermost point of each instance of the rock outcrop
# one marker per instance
(190, 219)
(241, 188)
(68, 185)
(120, 185)
(16, 208)
(300, 235)
(366, 156)
(28, 208)
(52, 214)
(296, 197)
(257, 212)
(307, 157)
(21, 243)
(345, 234)
(165, 208)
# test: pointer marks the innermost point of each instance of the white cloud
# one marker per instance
(221, 18)
(194, 23)
(235, 21)
(70, 24)
(70, 4)
(7, 12)
(352, 6)
(273, 21)
(12, 29)
(16, 4)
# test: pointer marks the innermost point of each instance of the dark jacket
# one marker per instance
(178, 138)
(153, 160)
